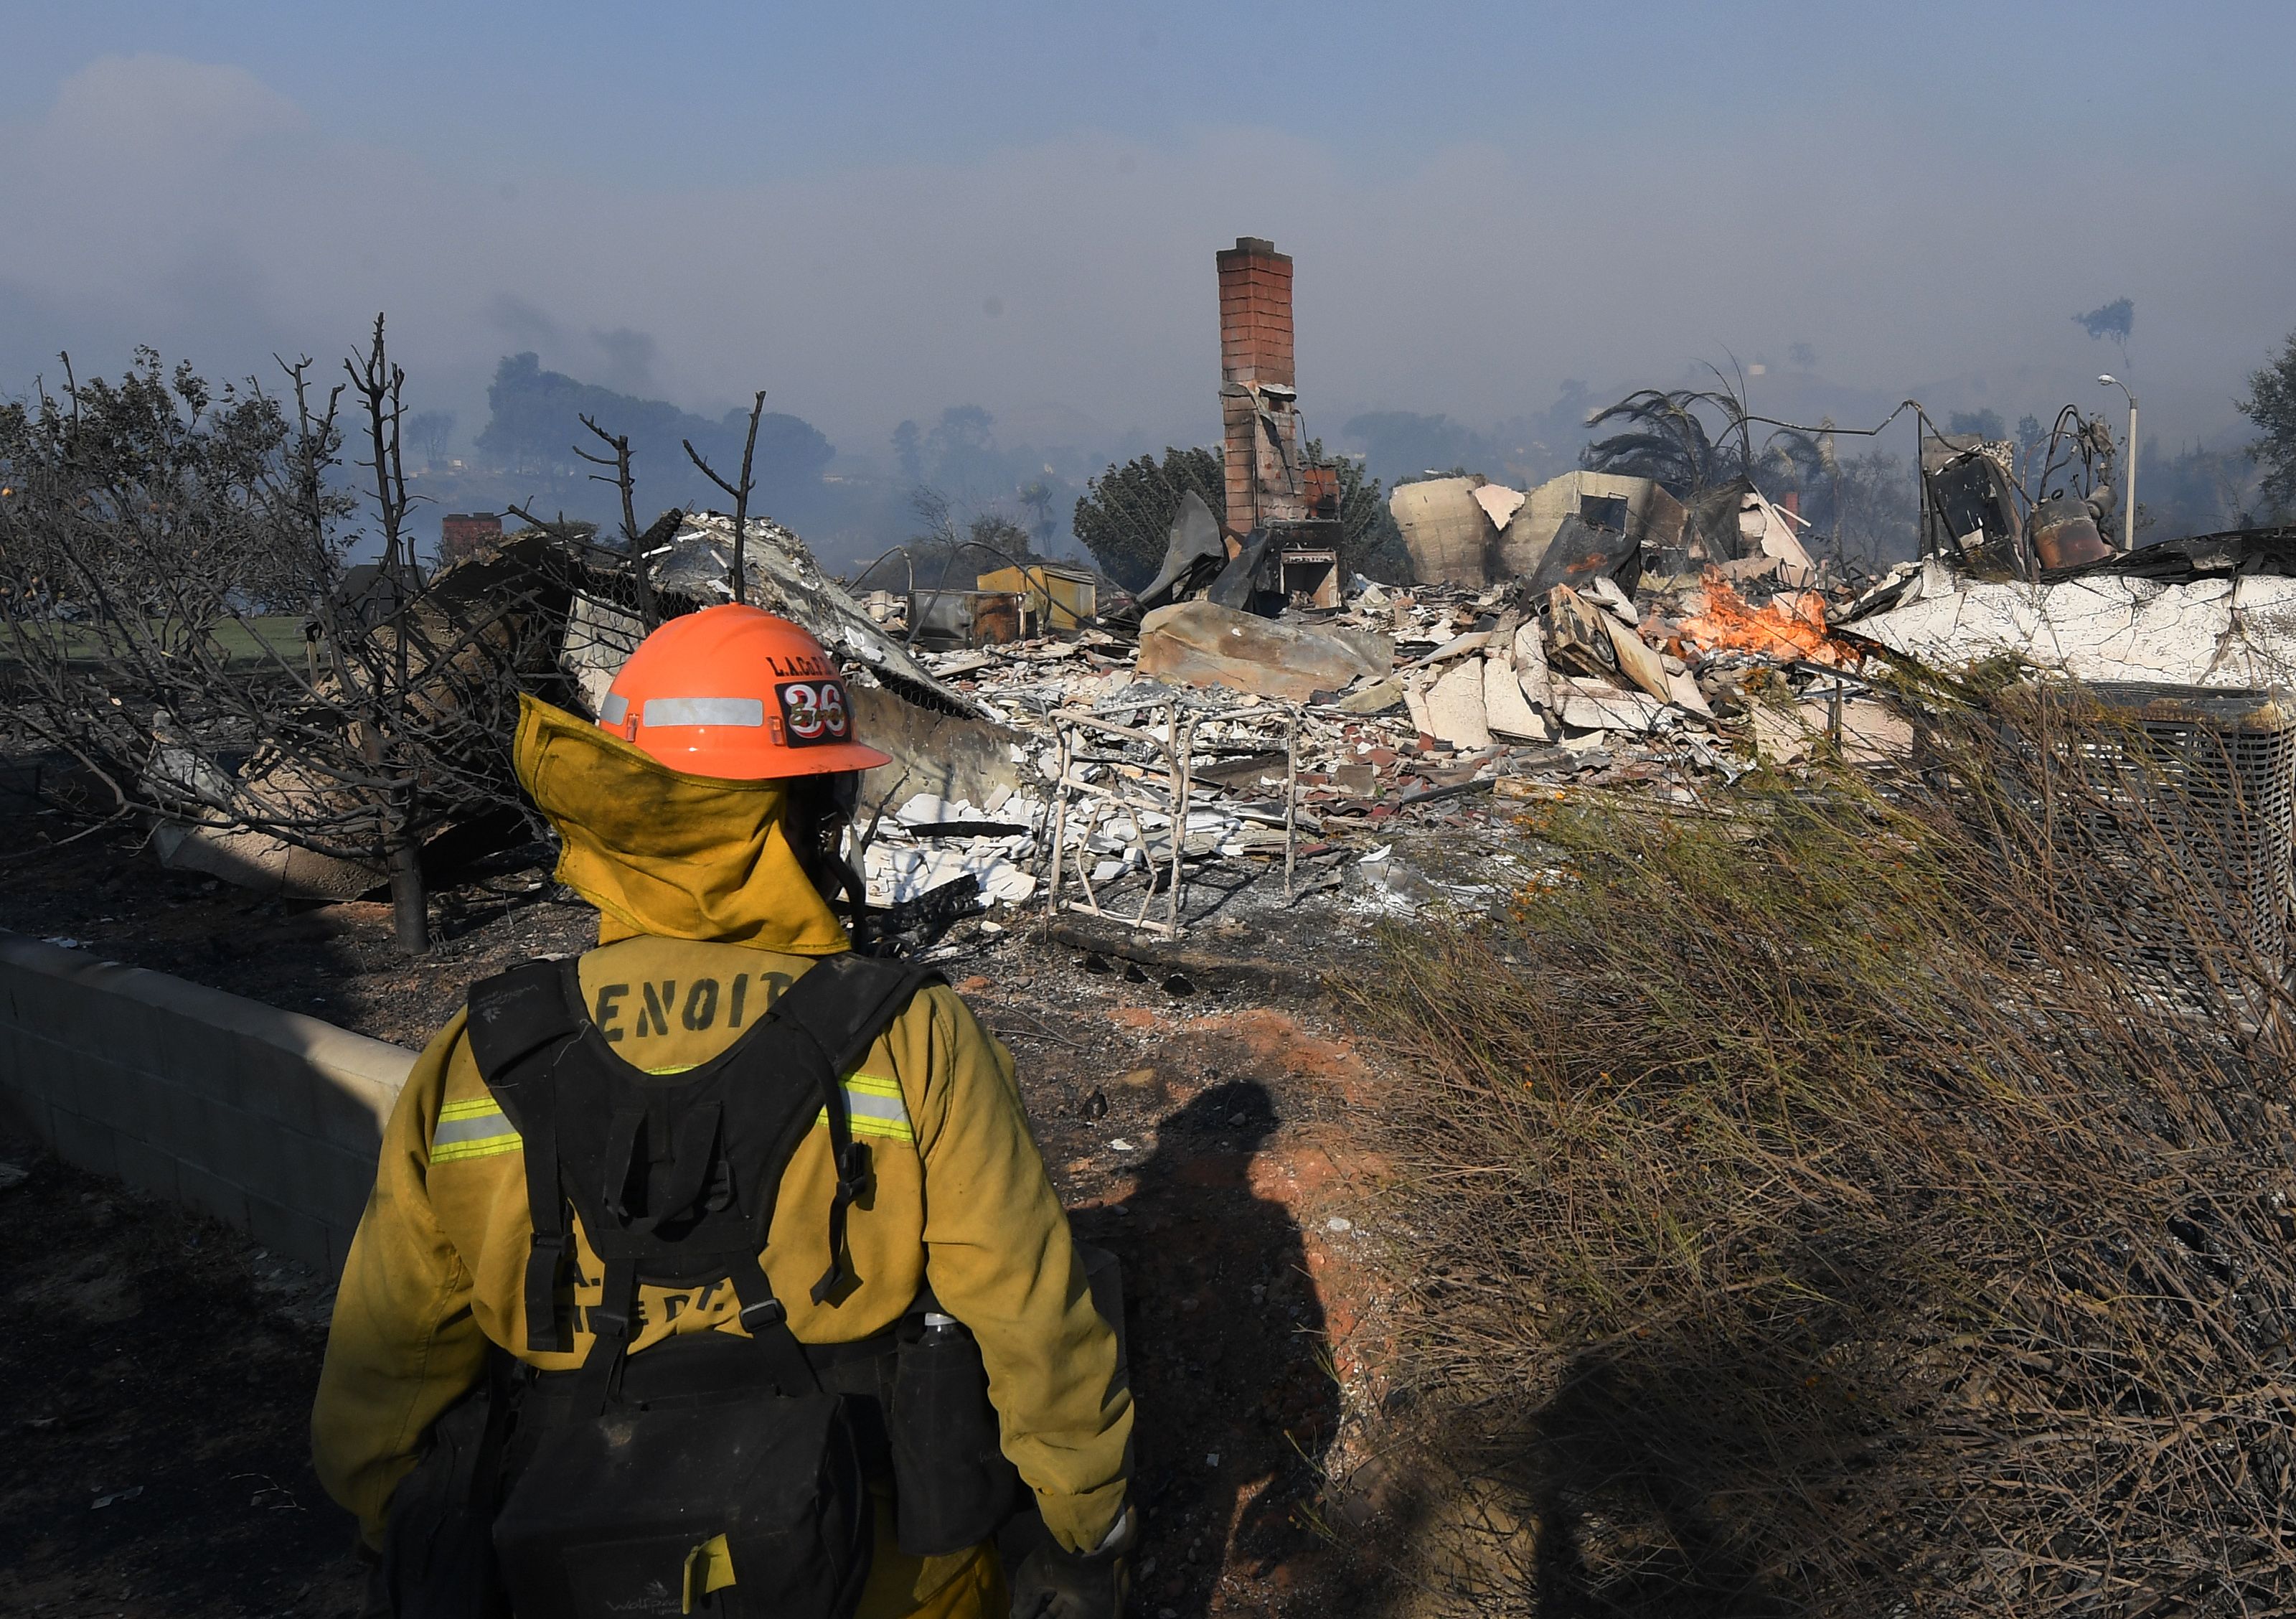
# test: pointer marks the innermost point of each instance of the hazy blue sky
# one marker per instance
(876, 211)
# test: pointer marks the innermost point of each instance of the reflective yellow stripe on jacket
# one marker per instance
(472, 1130)
(478, 1130)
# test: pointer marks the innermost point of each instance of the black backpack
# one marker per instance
(628, 1468)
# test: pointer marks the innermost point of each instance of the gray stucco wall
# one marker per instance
(269, 1120)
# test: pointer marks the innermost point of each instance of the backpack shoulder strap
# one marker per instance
(845, 1002)
(840, 1008)
(515, 1016)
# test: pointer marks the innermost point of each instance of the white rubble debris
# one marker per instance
(1499, 503)
(1506, 709)
(1407, 698)
(2211, 631)
(1455, 706)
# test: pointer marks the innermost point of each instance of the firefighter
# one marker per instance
(531, 1308)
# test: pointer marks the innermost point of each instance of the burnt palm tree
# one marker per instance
(1667, 440)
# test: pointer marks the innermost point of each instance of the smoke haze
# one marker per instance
(890, 217)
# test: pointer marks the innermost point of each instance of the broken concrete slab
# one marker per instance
(1875, 734)
(1636, 662)
(1506, 711)
(1415, 699)
(1593, 706)
(953, 755)
(1685, 694)
(1767, 531)
(600, 638)
(1455, 706)
(262, 863)
(1457, 646)
(1377, 651)
(1787, 736)
(1499, 503)
(1201, 644)
(1603, 591)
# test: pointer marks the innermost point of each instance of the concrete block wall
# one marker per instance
(267, 1119)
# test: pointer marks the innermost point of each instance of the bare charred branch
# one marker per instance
(741, 494)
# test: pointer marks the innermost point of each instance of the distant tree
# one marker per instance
(1124, 517)
(2271, 405)
(963, 430)
(1002, 542)
(120, 492)
(959, 455)
(1036, 498)
(2195, 491)
(1985, 424)
(1871, 511)
(536, 419)
(432, 432)
(906, 440)
(2032, 438)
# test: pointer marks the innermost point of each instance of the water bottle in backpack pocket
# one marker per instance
(952, 1486)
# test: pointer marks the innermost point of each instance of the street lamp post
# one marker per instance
(2129, 516)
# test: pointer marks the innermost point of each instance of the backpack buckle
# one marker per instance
(852, 1172)
(764, 1314)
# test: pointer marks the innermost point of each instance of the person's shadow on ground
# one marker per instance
(1230, 1365)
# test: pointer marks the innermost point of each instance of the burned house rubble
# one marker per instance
(1594, 640)
(1256, 723)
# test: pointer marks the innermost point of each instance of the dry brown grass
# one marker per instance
(1819, 1208)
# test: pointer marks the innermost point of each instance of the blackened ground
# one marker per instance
(155, 1394)
(337, 961)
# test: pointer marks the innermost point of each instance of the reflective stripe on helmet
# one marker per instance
(704, 710)
(734, 693)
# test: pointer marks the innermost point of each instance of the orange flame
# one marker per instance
(1792, 626)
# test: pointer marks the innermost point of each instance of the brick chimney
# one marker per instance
(463, 534)
(1257, 398)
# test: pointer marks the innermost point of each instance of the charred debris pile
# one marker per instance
(1142, 760)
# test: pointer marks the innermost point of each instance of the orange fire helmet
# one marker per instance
(736, 692)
